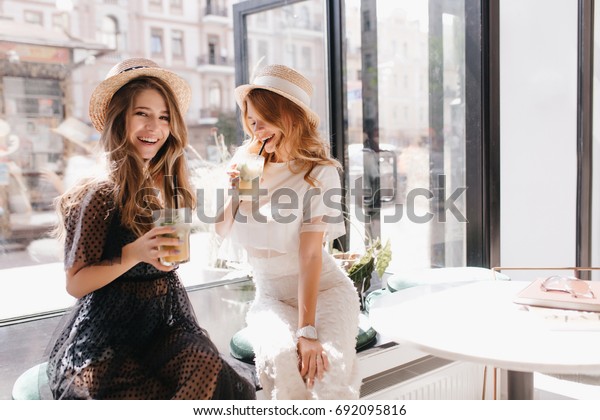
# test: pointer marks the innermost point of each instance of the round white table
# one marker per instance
(478, 322)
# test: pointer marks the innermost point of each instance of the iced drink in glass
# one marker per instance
(181, 219)
(251, 170)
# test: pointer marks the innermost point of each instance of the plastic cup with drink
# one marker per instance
(181, 220)
(251, 170)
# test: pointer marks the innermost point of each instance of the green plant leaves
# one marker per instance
(361, 271)
(384, 257)
(376, 258)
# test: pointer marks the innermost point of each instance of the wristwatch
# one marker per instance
(308, 331)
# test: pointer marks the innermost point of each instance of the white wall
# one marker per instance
(538, 91)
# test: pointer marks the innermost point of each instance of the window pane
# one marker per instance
(109, 31)
(405, 84)
(34, 17)
(176, 6)
(156, 41)
(291, 35)
(177, 46)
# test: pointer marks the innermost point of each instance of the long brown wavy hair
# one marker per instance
(133, 180)
(301, 137)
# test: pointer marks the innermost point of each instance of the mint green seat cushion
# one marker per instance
(373, 296)
(241, 349)
(27, 386)
(366, 336)
(432, 276)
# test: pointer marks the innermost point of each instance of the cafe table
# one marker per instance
(479, 322)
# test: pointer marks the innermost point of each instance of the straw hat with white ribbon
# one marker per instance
(284, 81)
(124, 72)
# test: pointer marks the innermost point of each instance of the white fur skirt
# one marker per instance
(273, 320)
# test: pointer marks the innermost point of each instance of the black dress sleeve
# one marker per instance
(87, 226)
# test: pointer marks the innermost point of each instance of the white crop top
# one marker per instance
(273, 225)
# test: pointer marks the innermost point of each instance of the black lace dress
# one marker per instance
(137, 337)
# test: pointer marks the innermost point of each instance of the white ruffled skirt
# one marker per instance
(273, 320)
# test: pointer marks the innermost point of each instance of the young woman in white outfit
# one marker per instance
(304, 319)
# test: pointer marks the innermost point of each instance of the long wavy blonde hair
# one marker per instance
(132, 180)
(301, 137)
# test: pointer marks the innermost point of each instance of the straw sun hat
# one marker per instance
(126, 71)
(284, 81)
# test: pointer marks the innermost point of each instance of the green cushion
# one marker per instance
(367, 336)
(373, 296)
(27, 386)
(241, 349)
(432, 276)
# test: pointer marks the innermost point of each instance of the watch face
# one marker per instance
(309, 332)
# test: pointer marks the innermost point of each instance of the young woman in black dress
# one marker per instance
(132, 333)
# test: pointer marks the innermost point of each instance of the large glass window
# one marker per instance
(29, 153)
(405, 63)
(395, 117)
(404, 114)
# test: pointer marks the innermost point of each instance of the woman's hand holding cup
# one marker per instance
(234, 176)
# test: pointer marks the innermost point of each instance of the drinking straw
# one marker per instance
(165, 188)
(262, 147)
(175, 192)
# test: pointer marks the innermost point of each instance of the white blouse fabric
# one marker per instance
(288, 206)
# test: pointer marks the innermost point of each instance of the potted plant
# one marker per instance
(361, 268)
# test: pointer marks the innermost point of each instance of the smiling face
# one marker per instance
(263, 131)
(147, 123)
